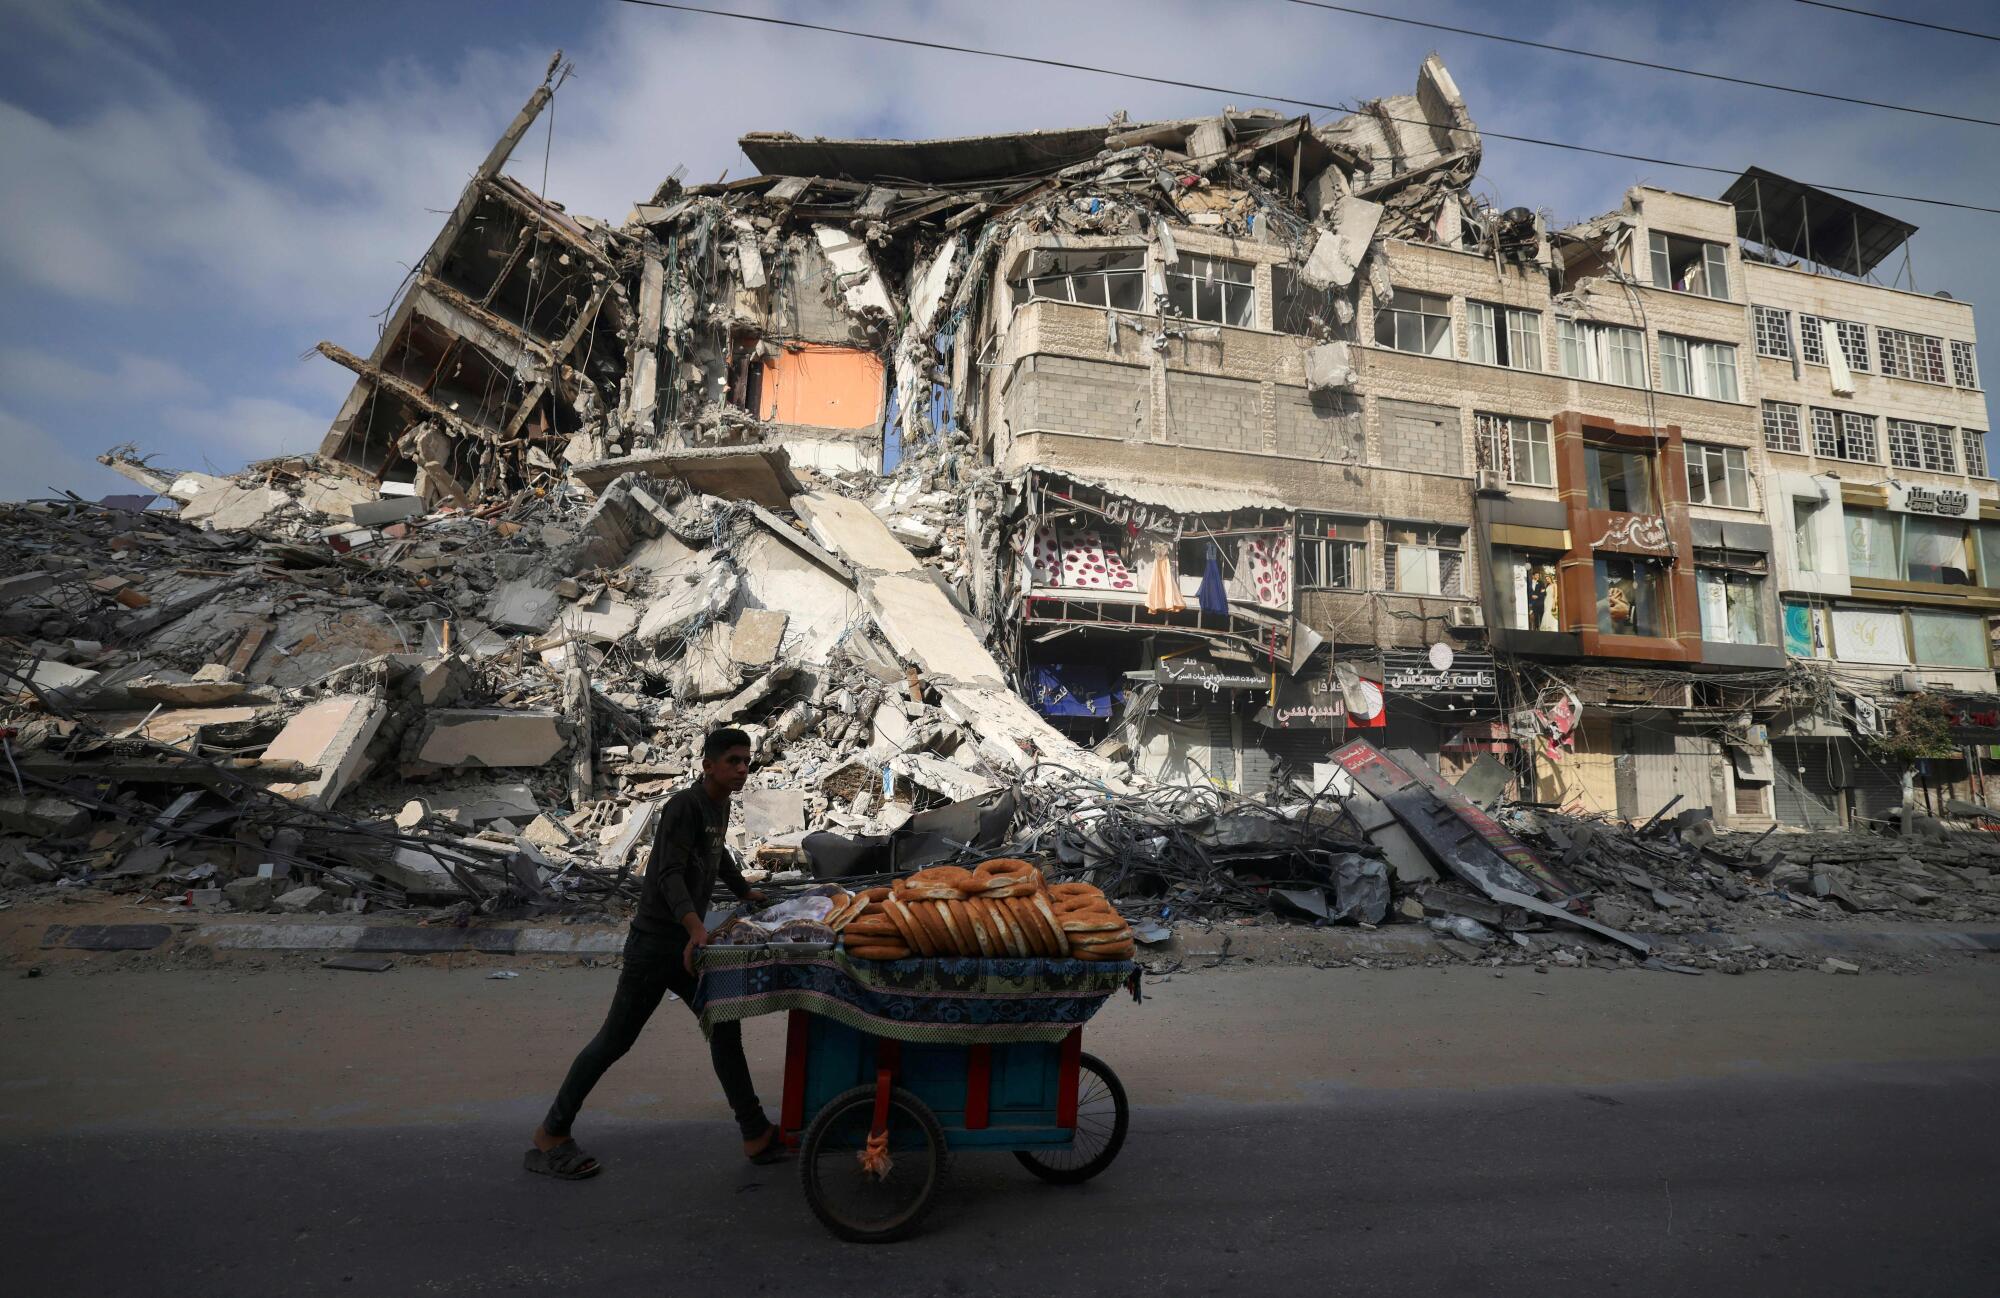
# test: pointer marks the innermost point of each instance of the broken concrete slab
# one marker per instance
(420, 874)
(850, 530)
(762, 474)
(332, 737)
(482, 804)
(522, 605)
(758, 635)
(249, 894)
(605, 621)
(178, 689)
(307, 900)
(767, 813)
(684, 603)
(387, 509)
(947, 779)
(43, 815)
(227, 507)
(500, 737)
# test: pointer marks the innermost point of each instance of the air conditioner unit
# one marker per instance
(1909, 682)
(1466, 615)
(1490, 480)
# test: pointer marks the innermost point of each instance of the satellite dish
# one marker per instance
(1441, 656)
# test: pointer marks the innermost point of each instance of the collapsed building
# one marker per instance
(996, 483)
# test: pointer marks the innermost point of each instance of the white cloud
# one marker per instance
(240, 429)
(35, 464)
(33, 373)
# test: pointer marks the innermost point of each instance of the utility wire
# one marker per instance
(1275, 99)
(1908, 22)
(1641, 63)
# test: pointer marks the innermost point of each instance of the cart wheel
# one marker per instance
(855, 1204)
(1101, 1118)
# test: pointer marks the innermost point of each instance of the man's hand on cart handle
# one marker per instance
(697, 938)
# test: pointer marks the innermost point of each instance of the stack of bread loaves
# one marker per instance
(1001, 909)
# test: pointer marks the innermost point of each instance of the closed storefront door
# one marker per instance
(1875, 786)
(1803, 788)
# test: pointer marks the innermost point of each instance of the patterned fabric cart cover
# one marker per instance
(941, 1001)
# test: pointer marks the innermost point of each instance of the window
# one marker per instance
(1937, 550)
(1774, 331)
(1415, 322)
(1852, 337)
(1518, 448)
(1333, 553)
(1689, 265)
(1806, 514)
(1781, 427)
(1111, 277)
(1213, 291)
(1621, 481)
(1975, 452)
(1871, 545)
(1921, 446)
(1631, 596)
(1912, 356)
(1729, 588)
(1425, 560)
(1718, 475)
(1698, 369)
(1527, 593)
(1948, 639)
(1844, 435)
(1604, 353)
(1988, 535)
(1964, 364)
(1502, 335)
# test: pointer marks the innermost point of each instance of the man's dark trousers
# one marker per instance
(652, 969)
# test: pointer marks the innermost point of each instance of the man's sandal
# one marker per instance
(774, 1150)
(566, 1162)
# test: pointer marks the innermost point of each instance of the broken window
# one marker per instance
(1631, 596)
(1603, 353)
(1620, 481)
(1844, 435)
(1806, 513)
(1689, 265)
(1964, 364)
(1718, 475)
(1698, 369)
(1912, 356)
(1781, 427)
(1976, 462)
(1503, 335)
(1518, 448)
(1299, 308)
(1333, 553)
(1527, 594)
(1729, 589)
(1425, 560)
(1774, 331)
(1415, 322)
(1921, 446)
(1213, 291)
(1114, 277)
(1936, 550)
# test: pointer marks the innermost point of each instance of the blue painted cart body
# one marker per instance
(1004, 1096)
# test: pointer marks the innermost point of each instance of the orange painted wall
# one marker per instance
(823, 387)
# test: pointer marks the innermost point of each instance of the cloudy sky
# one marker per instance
(198, 193)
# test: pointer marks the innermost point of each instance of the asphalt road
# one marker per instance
(1861, 1179)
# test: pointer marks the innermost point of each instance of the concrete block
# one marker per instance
(419, 874)
(759, 633)
(768, 813)
(389, 509)
(42, 816)
(448, 737)
(332, 736)
(681, 603)
(522, 605)
(307, 900)
(605, 622)
(177, 689)
(252, 894)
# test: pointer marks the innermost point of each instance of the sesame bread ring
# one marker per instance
(1058, 940)
(1104, 954)
(1011, 935)
(874, 926)
(877, 894)
(846, 911)
(1110, 937)
(1065, 909)
(1001, 865)
(883, 951)
(1080, 922)
(958, 932)
(971, 913)
(996, 929)
(1029, 921)
(936, 939)
(939, 883)
(1066, 891)
(915, 936)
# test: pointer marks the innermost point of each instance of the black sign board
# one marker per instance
(1308, 704)
(1409, 671)
(1201, 674)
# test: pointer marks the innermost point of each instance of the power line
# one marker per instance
(1270, 98)
(1642, 63)
(1908, 22)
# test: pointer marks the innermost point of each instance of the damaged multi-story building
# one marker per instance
(1256, 435)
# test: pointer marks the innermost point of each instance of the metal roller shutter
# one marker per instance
(1803, 787)
(1875, 786)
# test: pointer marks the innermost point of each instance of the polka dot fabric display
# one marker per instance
(1079, 561)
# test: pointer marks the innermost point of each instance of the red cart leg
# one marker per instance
(1066, 1082)
(978, 1086)
(792, 1111)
